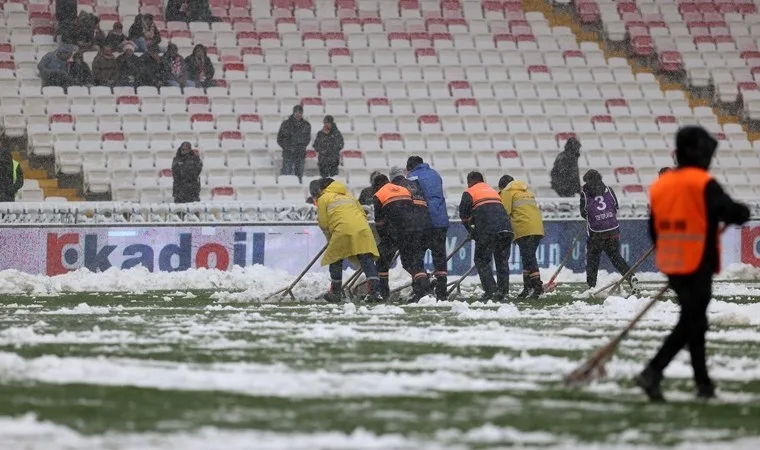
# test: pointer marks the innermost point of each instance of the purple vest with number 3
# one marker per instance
(601, 211)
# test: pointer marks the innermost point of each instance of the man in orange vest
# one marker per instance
(686, 206)
(402, 225)
(486, 220)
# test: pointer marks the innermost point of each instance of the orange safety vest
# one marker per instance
(483, 194)
(677, 201)
(392, 193)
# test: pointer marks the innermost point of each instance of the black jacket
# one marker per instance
(114, 40)
(192, 69)
(565, 176)
(66, 10)
(9, 188)
(137, 31)
(421, 215)
(152, 72)
(328, 146)
(367, 196)
(294, 136)
(484, 220)
(186, 170)
(80, 74)
(720, 208)
(397, 219)
(197, 11)
(129, 68)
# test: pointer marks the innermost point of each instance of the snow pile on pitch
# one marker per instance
(464, 312)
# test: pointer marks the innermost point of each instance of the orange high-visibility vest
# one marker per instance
(483, 194)
(392, 193)
(677, 201)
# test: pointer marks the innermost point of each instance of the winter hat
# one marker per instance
(396, 172)
(329, 119)
(65, 48)
(695, 147)
(592, 176)
(573, 145)
(298, 109)
(505, 180)
(129, 45)
(379, 181)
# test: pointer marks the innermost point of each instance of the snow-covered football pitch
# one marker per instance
(196, 360)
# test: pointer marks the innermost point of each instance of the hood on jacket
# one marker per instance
(179, 150)
(516, 185)
(695, 147)
(573, 147)
(65, 48)
(336, 187)
(594, 183)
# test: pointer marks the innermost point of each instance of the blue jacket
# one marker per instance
(432, 188)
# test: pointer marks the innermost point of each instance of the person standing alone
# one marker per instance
(686, 206)
(186, 170)
(293, 138)
(328, 144)
(11, 176)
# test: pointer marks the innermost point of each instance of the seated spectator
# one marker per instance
(144, 32)
(128, 65)
(188, 11)
(79, 71)
(151, 70)
(54, 67)
(174, 67)
(66, 16)
(105, 68)
(199, 68)
(115, 38)
(186, 170)
(88, 35)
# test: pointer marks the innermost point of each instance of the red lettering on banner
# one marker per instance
(53, 259)
(222, 256)
(749, 244)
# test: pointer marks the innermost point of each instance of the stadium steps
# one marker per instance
(48, 185)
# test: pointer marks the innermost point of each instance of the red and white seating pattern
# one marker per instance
(465, 84)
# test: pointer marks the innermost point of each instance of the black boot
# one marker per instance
(526, 286)
(649, 382)
(441, 287)
(383, 290)
(705, 392)
(538, 286)
(335, 294)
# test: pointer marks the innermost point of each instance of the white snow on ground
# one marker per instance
(257, 282)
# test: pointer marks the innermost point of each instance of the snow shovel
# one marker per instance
(456, 284)
(594, 368)
(615, 285)
(289, 290)
(551, 285)
(456, 250)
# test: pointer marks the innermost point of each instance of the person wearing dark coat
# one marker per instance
(128, 65)
(152, 71)
(188, 11)
(565, 176)
(328, 144)
(80, 72)
(199, 68)
(66, 16)
(144, 32)
(366, 196)
(54, 67)
(87, 35)
(293, 138)
(11, 176)
(115, 38)
(105, 67)
(599, 207)
(485, 218)
(174, 68)
(686, 208)
(186, 170)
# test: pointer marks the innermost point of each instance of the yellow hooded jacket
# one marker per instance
(522, 208)
(344, 223)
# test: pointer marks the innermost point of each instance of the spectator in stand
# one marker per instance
(66, 16)
(565, 176)
(54, 67)
(188, 11)
(294, 136)
(11, 175)
(115, 38)
(144, 32)
(79, 71)
(367, 195)
(186, 170)
(152, 70)
(128, 66)
(199, 68)
(328, 144)
(105, 68)
(174, 68)
(88, 35)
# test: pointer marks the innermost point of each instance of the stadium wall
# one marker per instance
(54, 250)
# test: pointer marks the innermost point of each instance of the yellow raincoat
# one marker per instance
(523, 211)
(344, 223)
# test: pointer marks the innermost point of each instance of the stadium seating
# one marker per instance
(464, 83)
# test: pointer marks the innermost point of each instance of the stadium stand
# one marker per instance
(497, 85)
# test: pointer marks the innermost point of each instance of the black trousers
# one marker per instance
(694, 293)
(437, 245)
(328, 167)
(528, 246)
(496, 248)
(292, 163)
(610, 245)
(411, 247)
